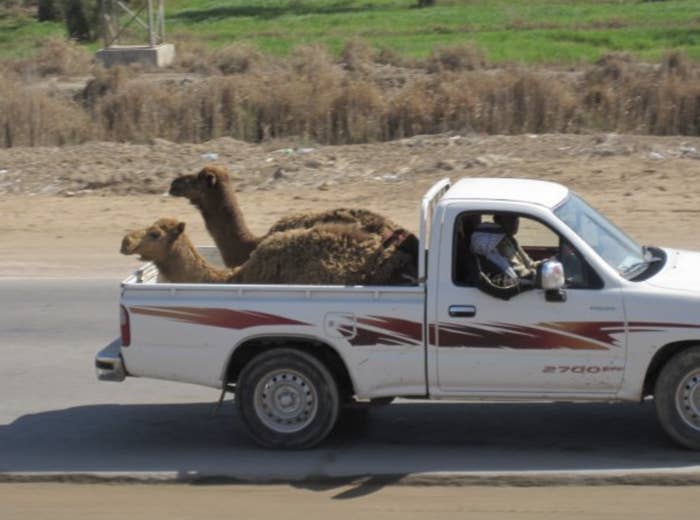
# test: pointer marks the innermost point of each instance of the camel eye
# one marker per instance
(154, 235)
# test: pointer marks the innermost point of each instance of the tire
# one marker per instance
(287, 399)
(677, 398)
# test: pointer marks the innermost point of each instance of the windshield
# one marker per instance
(612, 244)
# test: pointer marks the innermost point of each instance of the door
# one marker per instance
(481, 344)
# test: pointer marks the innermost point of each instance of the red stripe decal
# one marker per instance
(215, 317)
(545, 336)
(410, 329)
(383, 330)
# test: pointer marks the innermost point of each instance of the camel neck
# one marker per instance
(184, 264)
(225, 222)
(236, 222)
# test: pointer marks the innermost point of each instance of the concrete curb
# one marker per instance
(670, 477)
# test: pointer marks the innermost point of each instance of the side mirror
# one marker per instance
(552, 276)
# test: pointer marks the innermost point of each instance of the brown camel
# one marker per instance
(212, 192)
(325, 254)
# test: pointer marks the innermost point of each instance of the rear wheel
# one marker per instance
(287, 399)
(677, 397)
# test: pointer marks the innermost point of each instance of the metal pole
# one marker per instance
(161, 15)
(106, 20)
(151, 34)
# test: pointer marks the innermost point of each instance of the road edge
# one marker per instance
(670, 477)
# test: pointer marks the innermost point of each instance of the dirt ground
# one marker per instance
(64, 210)
(155, 502)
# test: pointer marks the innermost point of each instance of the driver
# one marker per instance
(519, 260)
(496, 241)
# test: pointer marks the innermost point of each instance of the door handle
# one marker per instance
(462, 311)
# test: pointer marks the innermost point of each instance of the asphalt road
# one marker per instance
(57, 420)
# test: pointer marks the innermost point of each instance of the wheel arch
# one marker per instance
(251, 347)
(660, 358)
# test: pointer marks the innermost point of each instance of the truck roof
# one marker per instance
(544, 193)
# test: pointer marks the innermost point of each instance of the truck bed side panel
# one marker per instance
(189, 332)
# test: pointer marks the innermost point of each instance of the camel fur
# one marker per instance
(332, 254)
(212, 192)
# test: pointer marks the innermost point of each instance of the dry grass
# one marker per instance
(34, 118)
(237, 58)
(357, 56)
(455, 58)
(313, 96)
(56, 57)
(621, 95)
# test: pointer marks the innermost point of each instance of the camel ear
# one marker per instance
(179, 229)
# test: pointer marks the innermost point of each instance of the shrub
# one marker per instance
(457, 57)
(35, 118)
(81, 18)
(48, 11)
(312, 96)
(62, 57)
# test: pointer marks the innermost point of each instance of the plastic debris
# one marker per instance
(210, 156)
(656, 156)
(686, 151)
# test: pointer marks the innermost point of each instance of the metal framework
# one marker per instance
(117, 18)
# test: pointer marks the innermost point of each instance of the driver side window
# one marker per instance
(537, 241)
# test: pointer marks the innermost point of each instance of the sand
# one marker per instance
(155, 502)
(64, 210)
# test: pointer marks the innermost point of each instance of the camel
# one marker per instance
(165, 244)
(333, 254)
(212, 193)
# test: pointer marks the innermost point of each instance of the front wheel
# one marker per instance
(677, 397)
(287, 399)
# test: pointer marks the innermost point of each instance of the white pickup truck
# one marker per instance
(622, 324)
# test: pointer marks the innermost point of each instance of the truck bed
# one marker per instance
(188, 332)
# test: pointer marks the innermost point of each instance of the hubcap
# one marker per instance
(285, 401)
(688, 399)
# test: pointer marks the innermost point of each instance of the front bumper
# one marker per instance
(109, 364)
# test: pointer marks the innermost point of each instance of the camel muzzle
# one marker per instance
(180, 187)
(128, 245)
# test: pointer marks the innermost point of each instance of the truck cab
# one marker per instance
(527, 345)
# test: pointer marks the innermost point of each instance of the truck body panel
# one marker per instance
(188, 333)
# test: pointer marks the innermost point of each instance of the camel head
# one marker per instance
(196, 188)
(155, 242)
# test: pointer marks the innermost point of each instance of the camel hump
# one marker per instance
(329, 236)
(368, 220)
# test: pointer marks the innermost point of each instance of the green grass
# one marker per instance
(530, 31)
(20, 34)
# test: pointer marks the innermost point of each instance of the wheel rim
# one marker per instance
(286, 401)
(688, 399)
